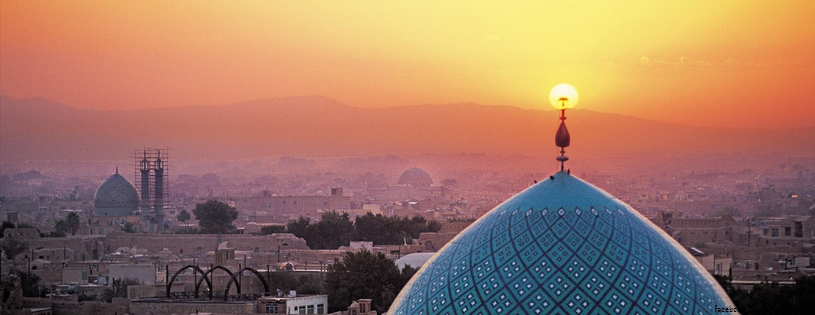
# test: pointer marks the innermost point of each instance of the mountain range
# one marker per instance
(39, 129)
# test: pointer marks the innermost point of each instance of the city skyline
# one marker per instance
(731, 64)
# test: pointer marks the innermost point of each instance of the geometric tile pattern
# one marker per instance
(561, 246)
(117, 196)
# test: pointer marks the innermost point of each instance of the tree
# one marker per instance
(392, 230)
(128, 228)
(771, 298)
(272, 229)
(334, 230)
(11, 246)
(4, 226)
(364, 276)
(183, 216)
(72, 220)
(301, 228)
(61, 227)
(118, 289)
(215, 217)
(29, 282)
(286, 281)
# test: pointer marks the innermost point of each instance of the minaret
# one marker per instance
(144, 168)
(158, 201)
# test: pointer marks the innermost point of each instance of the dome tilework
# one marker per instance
(561, 246)
(116, 197)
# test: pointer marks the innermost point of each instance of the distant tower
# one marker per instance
(158, 202)
(151, 173)
(144, 169)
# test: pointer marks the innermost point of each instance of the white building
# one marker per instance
(293, 304)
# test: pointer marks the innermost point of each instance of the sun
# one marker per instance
(563, 96)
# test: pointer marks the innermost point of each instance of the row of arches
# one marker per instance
(205, 276)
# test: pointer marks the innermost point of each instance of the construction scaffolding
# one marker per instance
(151, 170)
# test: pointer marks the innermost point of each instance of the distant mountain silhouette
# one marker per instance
(39, 129)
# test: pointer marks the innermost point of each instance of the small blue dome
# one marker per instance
(561, 246)
(116, 197)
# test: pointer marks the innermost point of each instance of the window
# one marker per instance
(271, 308)
(775, 232)
(302, 310)
(320, 309)
(310, 309)
(787, 231)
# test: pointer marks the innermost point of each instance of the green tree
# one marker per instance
(272, 229)
(118, 289)
(72, 220)
(11, 246)
(4, 226)
(183, 216)
(128, 228)
(29, 282)
(61, 227)
(286, 281)
(393, 230)
(215, 217)
(301, 228)
(771, 298)
(333, 230)
(363, 276)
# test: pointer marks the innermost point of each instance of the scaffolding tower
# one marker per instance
(151, 170)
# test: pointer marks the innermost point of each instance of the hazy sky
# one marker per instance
(732, 63)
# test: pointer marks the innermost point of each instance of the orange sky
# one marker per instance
(734, 63)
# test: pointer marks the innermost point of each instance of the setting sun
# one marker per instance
(563, 96)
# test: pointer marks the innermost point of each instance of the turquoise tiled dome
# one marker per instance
(116, 197)
(561, 246)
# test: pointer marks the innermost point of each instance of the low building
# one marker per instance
(293, 304)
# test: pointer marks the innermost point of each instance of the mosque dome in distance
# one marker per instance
(416, 177)
(562, 246)
(116, 197)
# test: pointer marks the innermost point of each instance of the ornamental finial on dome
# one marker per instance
(563, 96)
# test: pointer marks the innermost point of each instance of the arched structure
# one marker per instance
(205, 276)
(175, 275)
(231, 275)
(240, 272)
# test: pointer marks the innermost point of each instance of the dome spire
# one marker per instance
(563, 96)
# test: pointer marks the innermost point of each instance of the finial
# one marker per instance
(563, 96)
